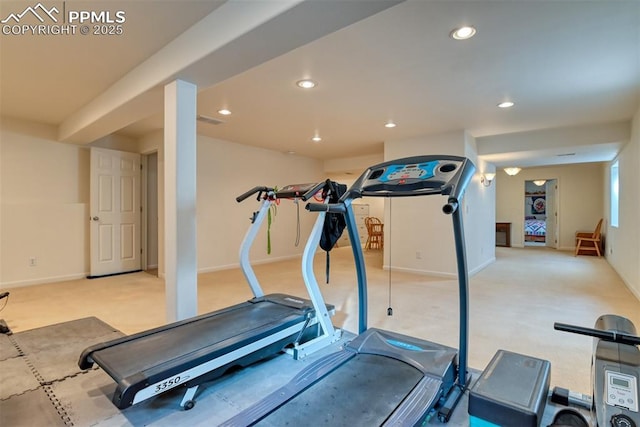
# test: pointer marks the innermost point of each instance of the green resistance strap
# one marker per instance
(270, 218)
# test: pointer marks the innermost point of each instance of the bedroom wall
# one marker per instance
(45, 194)
(580, 194)
(623, 242)
(531, 188)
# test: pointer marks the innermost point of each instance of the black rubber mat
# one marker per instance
(34, 362)
(33, 408)
(82, 331)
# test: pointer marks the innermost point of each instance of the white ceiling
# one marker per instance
(566, 65)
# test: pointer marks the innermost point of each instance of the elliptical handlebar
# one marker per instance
(613, 336)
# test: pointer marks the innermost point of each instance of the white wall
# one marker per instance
(44, 204)
(580, 194)
(45, 194)
(623, 242)
(480, 212)
(421, 235)
(226, 170)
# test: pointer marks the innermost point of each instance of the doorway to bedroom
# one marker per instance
(541, 213)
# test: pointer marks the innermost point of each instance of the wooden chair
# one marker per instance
(593, 240)
(375, 233)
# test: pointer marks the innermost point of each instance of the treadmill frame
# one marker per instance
(137, 388)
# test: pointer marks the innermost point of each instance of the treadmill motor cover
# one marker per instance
(512, 391)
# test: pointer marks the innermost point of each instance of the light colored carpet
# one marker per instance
(514, 303)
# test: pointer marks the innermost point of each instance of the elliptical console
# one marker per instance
(615, 370)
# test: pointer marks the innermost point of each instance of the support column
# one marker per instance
(180, 243)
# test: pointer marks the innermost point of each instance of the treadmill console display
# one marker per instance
(295, 190)
(403, 172)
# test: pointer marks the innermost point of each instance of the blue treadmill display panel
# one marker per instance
(402, 172)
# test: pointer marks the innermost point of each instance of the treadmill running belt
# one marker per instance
(140, 355)
(381, 383)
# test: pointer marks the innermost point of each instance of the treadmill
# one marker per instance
(382, 377)
(190, 352)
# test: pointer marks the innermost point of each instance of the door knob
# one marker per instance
(95, 218)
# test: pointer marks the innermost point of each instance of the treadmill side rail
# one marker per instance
(411, 412)
(305, 379)
(132, 395)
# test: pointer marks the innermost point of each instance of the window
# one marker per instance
(614, 193)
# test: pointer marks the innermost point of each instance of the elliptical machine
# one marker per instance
(615, 370)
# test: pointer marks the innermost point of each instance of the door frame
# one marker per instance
(556, 205)
(145, 211)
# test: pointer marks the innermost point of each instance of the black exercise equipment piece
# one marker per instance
(615, 370)
(382, 377)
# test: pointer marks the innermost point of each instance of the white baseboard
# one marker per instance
(42, 280)
(482, 266)
(421, 272)
(444, 275)
(237, 265)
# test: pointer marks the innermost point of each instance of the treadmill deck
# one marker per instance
(362, 385)
(141, 360)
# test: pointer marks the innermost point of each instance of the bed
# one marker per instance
(535, 230)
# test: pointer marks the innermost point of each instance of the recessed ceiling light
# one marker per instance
(306, 84)
(463, 33)
(506, 104)
(390, 125)
(224, 112)
(316, 139)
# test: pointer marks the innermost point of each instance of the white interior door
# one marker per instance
(114, 212)
(551, 239)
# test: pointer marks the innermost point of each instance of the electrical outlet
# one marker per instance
(418, 255)
(33, 261)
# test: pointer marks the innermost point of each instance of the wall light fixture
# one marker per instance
(487, 179)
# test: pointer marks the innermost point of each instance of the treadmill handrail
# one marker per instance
(254, 190)
(271, 192)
